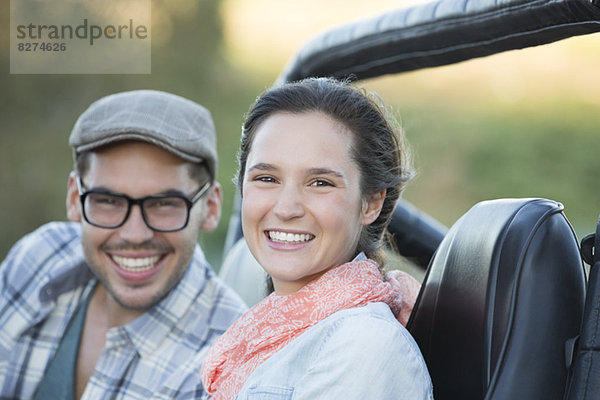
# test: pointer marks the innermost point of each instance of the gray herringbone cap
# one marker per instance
(178, 125)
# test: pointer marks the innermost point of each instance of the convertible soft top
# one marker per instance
(440, 33)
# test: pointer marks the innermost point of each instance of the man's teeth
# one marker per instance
(284, 237)
(136, 264)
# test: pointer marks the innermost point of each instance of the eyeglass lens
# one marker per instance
(161, 213)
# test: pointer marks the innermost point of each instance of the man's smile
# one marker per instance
(138, 264)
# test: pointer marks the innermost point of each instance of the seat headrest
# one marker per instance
(502, 294)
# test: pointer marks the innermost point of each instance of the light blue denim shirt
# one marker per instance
(359, 353)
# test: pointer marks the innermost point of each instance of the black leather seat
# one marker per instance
(503, 294)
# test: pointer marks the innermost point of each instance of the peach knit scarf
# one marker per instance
(274, 322)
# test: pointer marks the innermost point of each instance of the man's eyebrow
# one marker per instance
(101, 189)
(167, 192)
(171, 192)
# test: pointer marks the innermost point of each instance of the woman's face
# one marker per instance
(302, 208)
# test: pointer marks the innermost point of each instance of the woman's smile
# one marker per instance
(289, 237)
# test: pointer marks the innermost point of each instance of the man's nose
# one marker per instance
(135, 229)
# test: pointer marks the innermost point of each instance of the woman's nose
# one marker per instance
(289, 203)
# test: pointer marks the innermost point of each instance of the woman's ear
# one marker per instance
(73, 202)
(372, 207)
(212, 205)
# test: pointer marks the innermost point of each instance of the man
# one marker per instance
(120, 303)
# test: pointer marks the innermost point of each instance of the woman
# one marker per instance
(320, 170)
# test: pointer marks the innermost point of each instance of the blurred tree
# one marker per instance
(37, 113)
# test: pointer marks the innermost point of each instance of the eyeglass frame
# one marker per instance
(189, 202)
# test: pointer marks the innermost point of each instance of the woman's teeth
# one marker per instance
(136, 264)
(283, 237)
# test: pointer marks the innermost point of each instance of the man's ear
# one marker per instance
(212, 205)
(372, 207)
(73, 202)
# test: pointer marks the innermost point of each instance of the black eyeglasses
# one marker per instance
(161, 213)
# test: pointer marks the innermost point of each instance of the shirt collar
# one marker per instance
(360, 257)
(71, 271)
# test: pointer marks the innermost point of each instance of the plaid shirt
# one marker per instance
(156, 356)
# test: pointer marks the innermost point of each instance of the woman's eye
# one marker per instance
(320, 182)
(266, 179)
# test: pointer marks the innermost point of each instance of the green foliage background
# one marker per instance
(37, 113)
(465, 151)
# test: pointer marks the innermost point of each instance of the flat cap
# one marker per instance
(174, 123)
